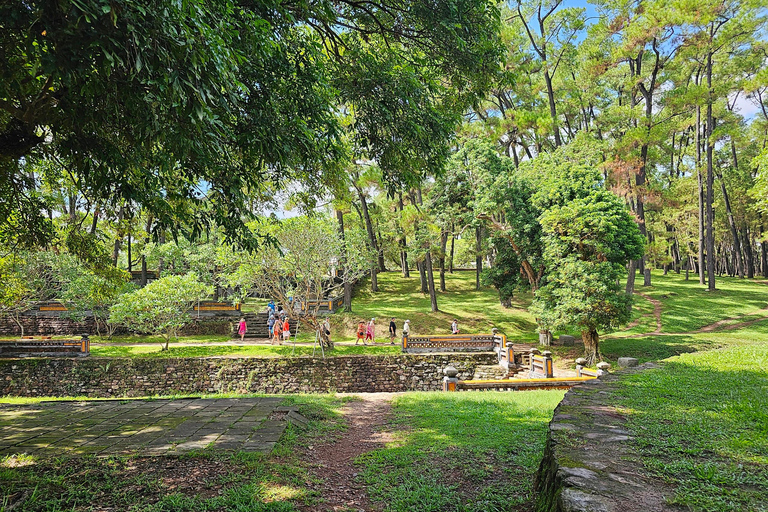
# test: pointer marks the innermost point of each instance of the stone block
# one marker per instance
(627, 362)
(566, 340)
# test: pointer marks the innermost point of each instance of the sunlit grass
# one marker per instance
(468, 451)
(701, 421)
(154, 351)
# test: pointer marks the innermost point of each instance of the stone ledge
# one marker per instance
(589, 463)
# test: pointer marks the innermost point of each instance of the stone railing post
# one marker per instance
(549, 369)
(602, 368)
(450, 381)
(580, 364)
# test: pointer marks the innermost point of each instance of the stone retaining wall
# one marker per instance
(590, 464)
(118, 377)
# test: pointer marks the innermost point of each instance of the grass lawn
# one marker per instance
(688, 306)
(461, 452)
(701, 422)
(151, 350)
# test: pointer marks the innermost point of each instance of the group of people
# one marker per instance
(367, 331)
(280, 329)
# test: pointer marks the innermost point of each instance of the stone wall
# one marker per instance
(126, 377)
(590, 463)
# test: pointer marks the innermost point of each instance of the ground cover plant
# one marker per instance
(700, 420)
(461, 451)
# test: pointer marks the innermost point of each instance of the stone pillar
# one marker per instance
(602, 368)
(450, 381)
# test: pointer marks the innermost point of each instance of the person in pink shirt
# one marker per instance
(370, 331)
(242, 329)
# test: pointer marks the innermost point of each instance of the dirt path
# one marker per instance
(656, 311)
(333, 462)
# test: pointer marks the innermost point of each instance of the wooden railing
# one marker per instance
(450, 343)
(45, 347)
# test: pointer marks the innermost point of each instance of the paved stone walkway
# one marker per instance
(143, 427)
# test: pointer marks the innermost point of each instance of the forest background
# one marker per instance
(512, 138)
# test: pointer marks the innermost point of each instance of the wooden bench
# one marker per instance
(45, 347)
(450, 343)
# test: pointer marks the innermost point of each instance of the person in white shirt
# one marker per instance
(406, 328)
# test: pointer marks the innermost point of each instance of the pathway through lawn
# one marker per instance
(333, 462)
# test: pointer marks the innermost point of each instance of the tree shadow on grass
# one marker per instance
(700, 421)
(653, 348)
(461, 451)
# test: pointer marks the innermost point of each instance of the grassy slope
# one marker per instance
(476, 310)
(701, 422)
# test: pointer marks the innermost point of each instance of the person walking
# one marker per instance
(455, 326)
(360, 332)
(370, 331)
(278, 330)
(392, 331)
(242, 328)
(286, 330)
(326, 327)
(271, 324)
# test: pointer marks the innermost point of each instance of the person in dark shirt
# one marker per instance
(392, 331)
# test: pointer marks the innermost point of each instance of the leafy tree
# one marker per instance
(88, 292)
(588, 242)
(190, 109)
(162, 307)
(504, 275)
(301, 268)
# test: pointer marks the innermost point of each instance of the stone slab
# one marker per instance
(145, 427)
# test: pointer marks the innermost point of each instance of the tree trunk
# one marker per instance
(734, 232)
(700, 266)
(748, 253)
(443, 244)
(403, 243)
(422, 276)
(552, 108)
(591, 346)
(160, 261)
(347, 285)
(631, 274)
(431, 283)
(453, 239)
(369, 227)
(130, 253)
(710, 182)
(764, 258)
(478, 255)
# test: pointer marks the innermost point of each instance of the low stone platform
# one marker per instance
(143, 427)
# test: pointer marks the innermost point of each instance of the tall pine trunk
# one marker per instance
(710, 182)
(443, 244)
(431, 282)
(700, 266)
